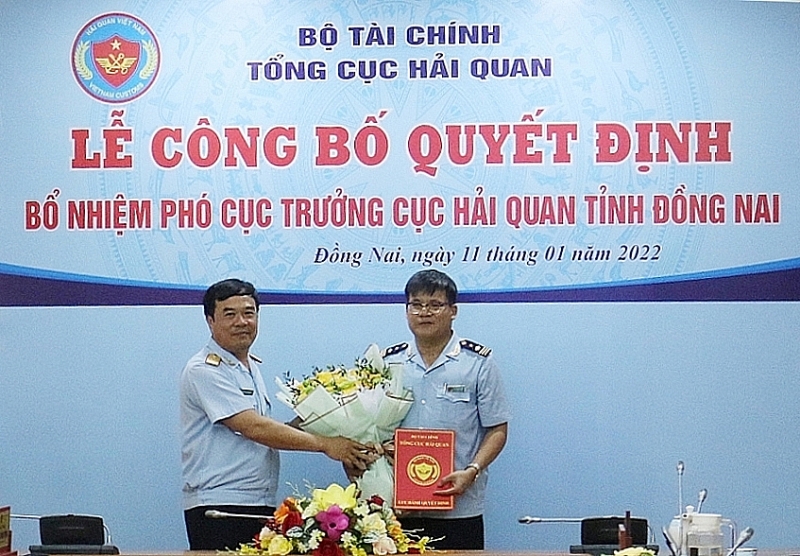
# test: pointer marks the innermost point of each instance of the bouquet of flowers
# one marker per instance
(332, 522)
(365, 403)
(634, 551)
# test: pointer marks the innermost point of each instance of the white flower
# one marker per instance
(314, 540)
(384, 546)
(372, 524)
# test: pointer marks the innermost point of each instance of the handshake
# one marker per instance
(371, 453)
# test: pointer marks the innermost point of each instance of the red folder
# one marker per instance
(421, 458)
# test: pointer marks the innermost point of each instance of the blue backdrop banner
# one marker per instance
(560, 151)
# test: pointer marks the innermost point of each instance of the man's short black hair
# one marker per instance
(225, 289)
(430, 281)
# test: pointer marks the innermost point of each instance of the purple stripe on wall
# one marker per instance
(777, 285)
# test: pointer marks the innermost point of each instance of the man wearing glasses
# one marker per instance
(456, 386)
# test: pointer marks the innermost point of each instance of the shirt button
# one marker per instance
(422, 402)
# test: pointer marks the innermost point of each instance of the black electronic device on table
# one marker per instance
(72, 534)
(600, 535)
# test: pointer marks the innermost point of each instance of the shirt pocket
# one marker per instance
(249, 392)
(456, 404)
(454, 393)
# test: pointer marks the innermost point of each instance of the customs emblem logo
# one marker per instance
(115, 58)
(423, 470)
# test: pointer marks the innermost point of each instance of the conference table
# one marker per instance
(761, 552)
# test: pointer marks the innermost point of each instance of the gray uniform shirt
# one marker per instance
(219, 465)
(462, 391)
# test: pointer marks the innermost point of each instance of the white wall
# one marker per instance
(606, 399)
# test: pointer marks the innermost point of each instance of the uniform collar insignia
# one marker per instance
(475, 347)
(395, 349)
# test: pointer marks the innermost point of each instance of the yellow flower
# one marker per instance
(373, 523)
(325, 378)
(279, 546)
(395, 530)
(345, 386)
(634, 551)
(422, 544)
(265, 537)
(335, 494)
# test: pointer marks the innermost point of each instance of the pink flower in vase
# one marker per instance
(333, 521)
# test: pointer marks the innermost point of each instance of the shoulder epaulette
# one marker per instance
(476, 347)
(255, 358)
(213, 359)
(392, 350)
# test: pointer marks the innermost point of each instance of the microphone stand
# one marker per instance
(528, 520)
(216, 514)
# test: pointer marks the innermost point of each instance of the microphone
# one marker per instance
(216, 514)
(680, 468)
(744, 536)
(528, 519)
(701, 497)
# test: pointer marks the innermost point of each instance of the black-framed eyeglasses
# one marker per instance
(434, 308)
